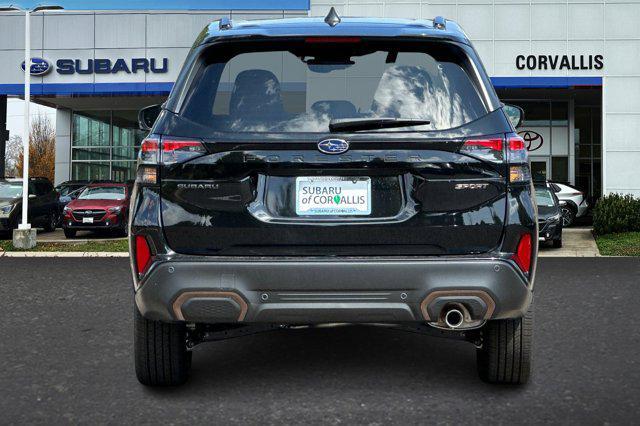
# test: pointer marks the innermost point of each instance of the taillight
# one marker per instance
(493, 144)
(520, 173)
(518, 158)
(177, 151)
(522, 256)
(155, 151)
(489, 148)
(149, 151)
(143, 254)
(516, 150)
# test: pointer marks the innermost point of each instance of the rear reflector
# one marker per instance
(143, 254)
(522, 255)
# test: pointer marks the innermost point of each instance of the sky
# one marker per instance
(15, 114)
(169, 4)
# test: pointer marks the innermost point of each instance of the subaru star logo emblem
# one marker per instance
(39, 66)
(333, 146)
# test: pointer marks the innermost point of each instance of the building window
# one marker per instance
(105, 145)
(588, 132)
(547, 123)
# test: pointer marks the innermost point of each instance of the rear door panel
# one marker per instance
(427, 199)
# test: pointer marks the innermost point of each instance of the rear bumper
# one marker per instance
(198, 289)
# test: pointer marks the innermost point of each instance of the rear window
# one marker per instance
(300, 87)
(544, 197)
(10, 189)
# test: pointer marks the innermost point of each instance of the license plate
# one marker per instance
(87, 220)
(333, 196)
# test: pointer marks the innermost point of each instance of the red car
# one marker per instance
(102, 206)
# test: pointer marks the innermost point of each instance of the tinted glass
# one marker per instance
(10, 189)
(103, 193)
(560, 169)
(105, 144)
(301, 87)
(90, 170)
(91, 128)
(42, 188)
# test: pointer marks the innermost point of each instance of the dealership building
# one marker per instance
(572, 65)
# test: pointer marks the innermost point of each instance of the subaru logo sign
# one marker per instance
(333, 146)
(39, 66)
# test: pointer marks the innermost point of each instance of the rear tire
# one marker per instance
(52, 222)
(69, 233)
(161, 356)
(505, 356)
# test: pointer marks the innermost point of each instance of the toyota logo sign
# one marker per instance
(534, 140)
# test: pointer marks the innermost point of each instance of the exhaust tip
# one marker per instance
(454, 318)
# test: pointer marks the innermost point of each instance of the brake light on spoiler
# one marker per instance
(332, 39)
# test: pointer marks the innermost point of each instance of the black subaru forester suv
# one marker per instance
(312, 171)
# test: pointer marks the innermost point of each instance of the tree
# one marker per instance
(42, 149)
(13, 151)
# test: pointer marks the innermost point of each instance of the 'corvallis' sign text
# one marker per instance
(560, 62)
(40, 66)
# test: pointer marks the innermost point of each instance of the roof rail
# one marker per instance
(225, 24)
(439, 23)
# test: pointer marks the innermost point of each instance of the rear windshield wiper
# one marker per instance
(356, 124)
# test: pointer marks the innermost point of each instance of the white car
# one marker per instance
(573, 202)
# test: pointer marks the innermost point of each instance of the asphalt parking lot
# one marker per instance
(66, 357)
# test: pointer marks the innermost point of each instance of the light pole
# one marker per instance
(26, 239)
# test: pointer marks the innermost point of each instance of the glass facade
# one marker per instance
(105, 145)
(546, 128)
(588, 140)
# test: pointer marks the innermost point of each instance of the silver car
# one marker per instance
(573, 202)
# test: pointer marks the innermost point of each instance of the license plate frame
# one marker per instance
(333, 196)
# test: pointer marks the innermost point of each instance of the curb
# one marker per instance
(80, 240)
(63, 254)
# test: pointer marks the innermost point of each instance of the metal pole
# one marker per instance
(27, 122)
(4, 134)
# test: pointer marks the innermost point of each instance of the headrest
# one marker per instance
(256, 92)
